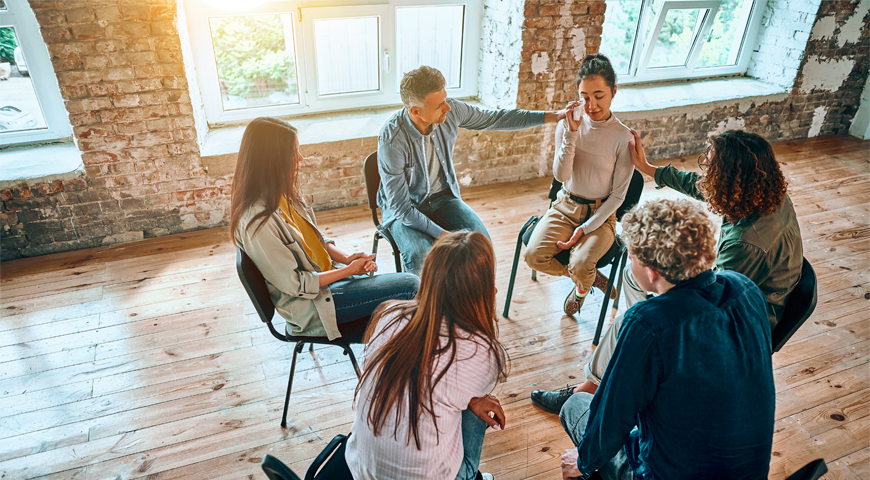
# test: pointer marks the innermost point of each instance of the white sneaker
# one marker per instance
(487, 476)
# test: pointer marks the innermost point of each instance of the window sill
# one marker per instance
(33, 164)
(222, 144)
(698, 97)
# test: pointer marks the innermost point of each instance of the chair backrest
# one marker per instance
(276, 470)
(811, 471)
(632, 197)
(798, 307)
(255, 285)
(373, 180)
(331, 463)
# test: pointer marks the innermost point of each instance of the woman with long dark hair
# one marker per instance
(423, 402)
(593, 162)
(271, 222)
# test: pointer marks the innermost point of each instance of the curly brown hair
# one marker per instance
(743, 177)
(673, 237)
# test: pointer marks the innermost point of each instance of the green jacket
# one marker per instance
(766, 249)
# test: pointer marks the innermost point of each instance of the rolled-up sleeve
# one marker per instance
(683, 182)
(278, 264)
(473, 118)
(391, 165)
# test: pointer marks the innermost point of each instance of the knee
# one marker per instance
(575, 414)
(534, 257)
(410, 283)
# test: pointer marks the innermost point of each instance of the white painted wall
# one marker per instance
(782, 40)
(500, 49)
(861, 123)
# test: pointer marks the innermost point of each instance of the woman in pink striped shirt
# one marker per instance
(424, 400)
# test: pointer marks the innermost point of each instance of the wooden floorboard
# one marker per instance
(147, 359)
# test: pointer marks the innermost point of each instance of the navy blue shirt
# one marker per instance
(689, 390)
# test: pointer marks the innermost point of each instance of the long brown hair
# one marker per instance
(743, 178)
(457, 290)
(265, 171)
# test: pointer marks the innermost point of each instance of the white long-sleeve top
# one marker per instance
(473, 373)
(594, 162)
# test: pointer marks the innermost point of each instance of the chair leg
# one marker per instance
(534, 275)
(510, 292)
(349, 353)
(614, 266)
(298, 348)
(622, 262)
(374, 248)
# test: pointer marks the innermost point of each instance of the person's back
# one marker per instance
(688, 392)
(713, 410)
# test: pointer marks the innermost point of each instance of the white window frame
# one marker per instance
(639, 70)
(20, 16)
(304, 12)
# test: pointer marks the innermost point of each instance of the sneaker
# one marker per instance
(551, 401)
(572, 303)
(601, 284)
(486, 476)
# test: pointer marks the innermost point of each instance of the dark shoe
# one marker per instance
(551, 401)
(601, 284)
(572, 303)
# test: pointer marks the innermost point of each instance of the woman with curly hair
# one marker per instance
(760, 236)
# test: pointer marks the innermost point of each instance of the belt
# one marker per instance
(581, 200)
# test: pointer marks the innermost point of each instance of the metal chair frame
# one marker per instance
(255, 285)
(373, 180)
(798, 307)
(616, 257)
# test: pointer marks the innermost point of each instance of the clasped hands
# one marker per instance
(360, 263)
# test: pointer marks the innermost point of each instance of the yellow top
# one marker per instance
(310, 240)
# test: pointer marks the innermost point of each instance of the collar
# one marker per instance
(409, 128)
(700, 281)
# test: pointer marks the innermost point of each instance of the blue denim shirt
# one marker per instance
(692, 371)
(402, 164)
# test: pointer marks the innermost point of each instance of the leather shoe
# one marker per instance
(551, 401)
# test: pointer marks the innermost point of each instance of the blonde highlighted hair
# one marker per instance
(673, 237)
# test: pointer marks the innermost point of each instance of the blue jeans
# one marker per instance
(448, 212)
(574, 415)
(473, 430)
(358, 296)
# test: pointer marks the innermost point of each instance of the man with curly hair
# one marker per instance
(667, 406)
(760, 236)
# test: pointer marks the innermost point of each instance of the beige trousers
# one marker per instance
(558, 224)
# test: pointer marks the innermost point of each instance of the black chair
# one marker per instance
(616, 257)
(329, 464)
(255, 285)
(798, 307)
(811, 471)
(373, 179)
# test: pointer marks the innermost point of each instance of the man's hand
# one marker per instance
(483, 406)
(638, 156)
(569, 464)
(578, 233)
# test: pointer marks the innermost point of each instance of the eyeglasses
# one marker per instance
(704, 159)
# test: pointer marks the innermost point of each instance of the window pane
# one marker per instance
(675, 39)
(256, 61)
(19, 106)
(726, 35)
(430, 36)
(346, 53)
(619, 30)
(2, 5)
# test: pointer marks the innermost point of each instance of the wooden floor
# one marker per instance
(147, 359)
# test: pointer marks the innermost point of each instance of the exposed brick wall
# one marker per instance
(120, 71)
(119, 65)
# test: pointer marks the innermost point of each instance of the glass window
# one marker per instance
(619, 30)
(432, 36)
(19, 105)
(256, 60)
(347, 56)
(676, 37)
(726, 37)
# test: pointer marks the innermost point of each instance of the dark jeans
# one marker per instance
(574, 416)
(448, 212)
(358, 296)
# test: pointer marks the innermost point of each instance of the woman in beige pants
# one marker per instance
(593, 162)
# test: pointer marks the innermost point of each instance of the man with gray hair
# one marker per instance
(419, 195)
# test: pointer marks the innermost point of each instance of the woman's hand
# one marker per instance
(573, 125)
(483, 406)
(638, 156)
(354, 256)
(569, 464)
(362, 265)
(578, 233)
